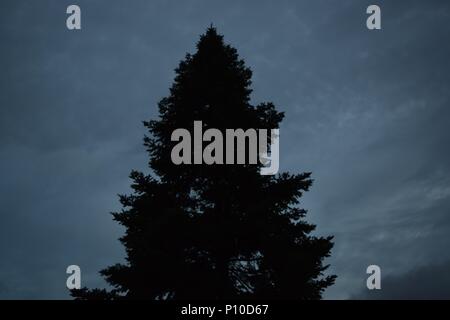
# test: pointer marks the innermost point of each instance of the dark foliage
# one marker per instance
(214, 231)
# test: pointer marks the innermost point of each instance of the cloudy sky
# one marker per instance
(368, 112)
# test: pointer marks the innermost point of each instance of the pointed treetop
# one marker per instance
(211, 35)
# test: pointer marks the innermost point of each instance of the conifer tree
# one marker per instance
(214, 231)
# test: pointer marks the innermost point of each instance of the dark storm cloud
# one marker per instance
(366, 112)
(376, 132)
(424, 283)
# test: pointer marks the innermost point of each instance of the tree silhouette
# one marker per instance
(214, 231)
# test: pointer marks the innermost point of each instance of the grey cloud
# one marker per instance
(366, 112)
(422, 283)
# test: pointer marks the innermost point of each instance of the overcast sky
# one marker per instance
(368, 112)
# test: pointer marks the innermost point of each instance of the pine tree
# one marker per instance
(214, 231)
